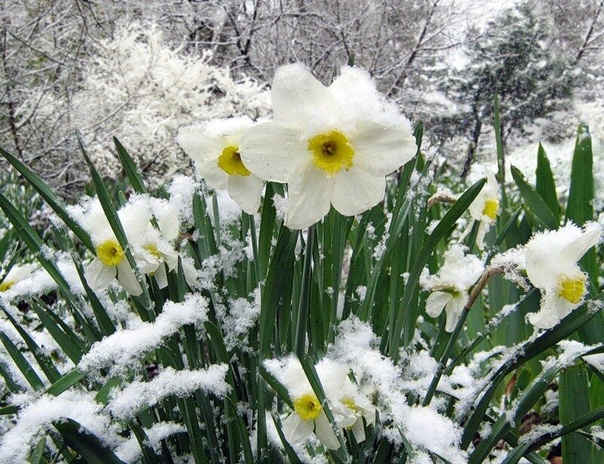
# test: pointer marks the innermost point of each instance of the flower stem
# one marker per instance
(304, 308)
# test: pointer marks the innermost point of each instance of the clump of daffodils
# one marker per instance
(351, 409)
(332, 146)
(450, 285)
(151, 227)
(552, 267)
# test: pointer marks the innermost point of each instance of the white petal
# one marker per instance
(273, 151)
(146, 261)
(190, 271)
(575, 250)
(18, 273)
(563, 307)
(246, 191)
(296, 429)
(135, 216)
(436, 302)
(453, 310)
(167, 218)
(355, 89)
(358, 430)
(213, 174)
(298, 98)
(170, 257)
(483, 228)
(381, 149)
(545, 318)
(308, 198)
(127, 278)
(197, 144)
(325, 433)
(161, 277)
(98, 275)
(355, 191)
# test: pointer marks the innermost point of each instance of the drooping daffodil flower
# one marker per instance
(450, 286)
(551, 266)
(331, 145)
(214, 147)
(156, 246)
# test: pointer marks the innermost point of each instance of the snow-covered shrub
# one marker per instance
(138, 89)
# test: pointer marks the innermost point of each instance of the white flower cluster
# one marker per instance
(151, 226)
(549, 259)
(351, 408)
(332, 146)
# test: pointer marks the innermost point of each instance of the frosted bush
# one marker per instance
(140, 90)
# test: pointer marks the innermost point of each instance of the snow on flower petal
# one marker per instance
(552, 266)
(214, 146)
(332, 145)
(16, 274)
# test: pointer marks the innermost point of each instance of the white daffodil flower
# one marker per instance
(484, 208)
(348, 404)
(110, 261)
(214, 146)
(308, 415)
(551, 266)
(16, 274)
(155, 247)
(332, 145)
(450, 286)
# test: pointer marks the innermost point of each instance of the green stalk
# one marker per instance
(301, 327)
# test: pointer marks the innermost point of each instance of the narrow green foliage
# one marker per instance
(574, 403)
(579, 207)
(277, 288)
(535, 204)
(85, 443)
(49, 196)
(130, 168)
(24, 366)
(65, 382)
(545, 186)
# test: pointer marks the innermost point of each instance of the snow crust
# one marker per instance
(120, 350)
